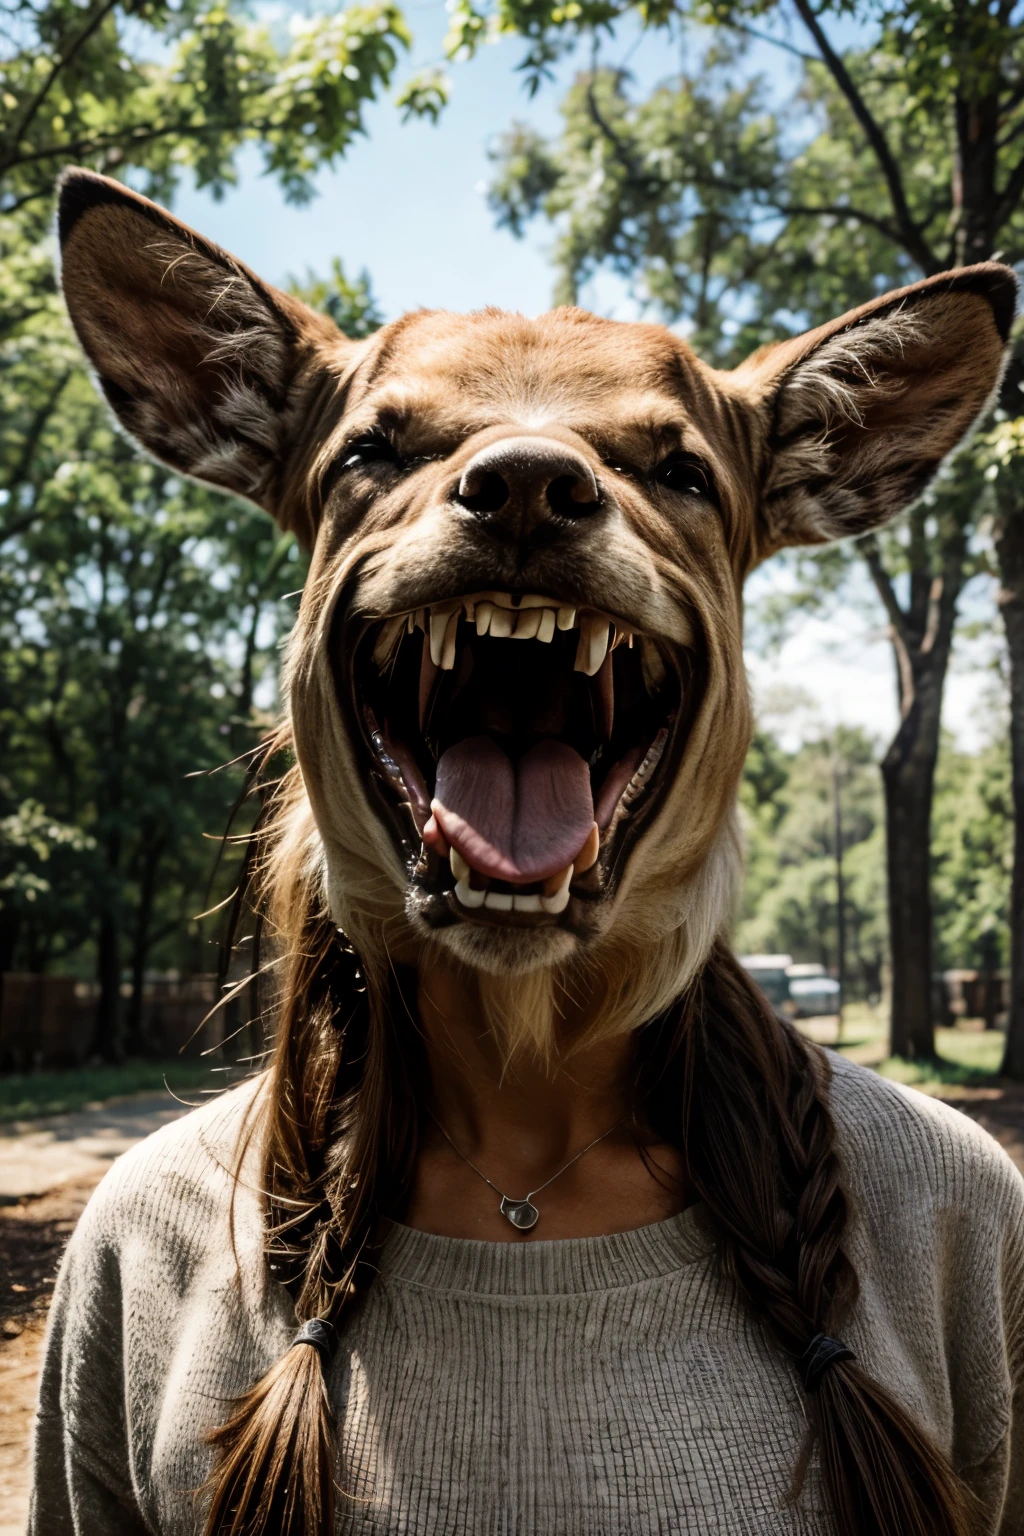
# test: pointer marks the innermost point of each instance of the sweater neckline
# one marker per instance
(564, 1266)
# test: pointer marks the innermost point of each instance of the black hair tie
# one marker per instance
(821, 1354)
(321, 1334)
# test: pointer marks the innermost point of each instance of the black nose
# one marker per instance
(524, 487)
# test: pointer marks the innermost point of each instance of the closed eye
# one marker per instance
(369, 448)
(686, 476)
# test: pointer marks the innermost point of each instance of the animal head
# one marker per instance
(516, 682)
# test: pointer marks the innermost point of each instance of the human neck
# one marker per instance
(521, 1126)
(548, 1109)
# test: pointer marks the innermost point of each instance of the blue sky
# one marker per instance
(407, 204)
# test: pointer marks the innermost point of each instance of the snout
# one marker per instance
(528, 489)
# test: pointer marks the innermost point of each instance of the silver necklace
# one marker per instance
(523, 1214)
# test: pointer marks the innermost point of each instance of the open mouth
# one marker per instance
(520, 742)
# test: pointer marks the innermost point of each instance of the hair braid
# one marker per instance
(758, 1142)
(340, 1150)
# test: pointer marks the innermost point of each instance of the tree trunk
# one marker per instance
(134, 1039)
(908, 773)
(922, 638)
(107, 1041)
(1010, 550)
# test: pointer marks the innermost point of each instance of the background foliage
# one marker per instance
(792, 162)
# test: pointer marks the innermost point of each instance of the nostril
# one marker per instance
(486, 493)
(570, 496)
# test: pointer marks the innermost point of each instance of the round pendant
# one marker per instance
(520, 1213)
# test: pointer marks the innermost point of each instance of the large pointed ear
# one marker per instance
(859, 414)
(210, 369)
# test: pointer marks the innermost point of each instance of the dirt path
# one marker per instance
(36, 1223)
(48, 1170)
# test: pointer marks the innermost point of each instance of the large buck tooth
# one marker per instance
(448, 649)
(527, 904)
(482, 618)
(593, 645)
(502, 622)
(546, 632)
(567, 618)
(557, 903)
(467, 897)
(460, 869)
(498, 901)
(528, 624)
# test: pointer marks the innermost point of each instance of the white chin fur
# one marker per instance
(506, 951)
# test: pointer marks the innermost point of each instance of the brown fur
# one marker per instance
(826, 435)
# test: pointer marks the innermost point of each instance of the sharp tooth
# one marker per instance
(421, 619)
(546, 633)
(460, 869)
(448, 649)
(593, 646)
(557, 903)
(527, 904)
(410, 624)
(567, 618)
(560, 882)
(587, 855)
(466, 897)
(484, 611)
(498, 901)
(470, 608)
(528, 624)
(438, 625)
(502, 621)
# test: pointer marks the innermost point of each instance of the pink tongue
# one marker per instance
(514, 822)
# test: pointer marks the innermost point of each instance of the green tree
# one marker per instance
(169, 87)
(791, 895)
(896, 159)
(139, 615)
(973, 854)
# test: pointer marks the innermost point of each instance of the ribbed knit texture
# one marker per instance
(599, 1387)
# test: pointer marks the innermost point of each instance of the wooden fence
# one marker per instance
(48, 1021)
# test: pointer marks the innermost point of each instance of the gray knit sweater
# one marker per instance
(599, 1387)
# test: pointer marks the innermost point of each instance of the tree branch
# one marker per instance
(897, 621)
(911, 237)
(73, 48)
(776, 42)
(839, 211)
(868, 547)
(132, 137)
